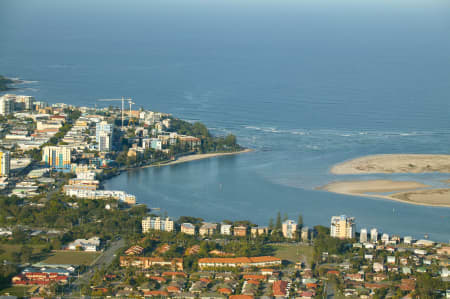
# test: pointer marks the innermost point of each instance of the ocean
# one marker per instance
(306, 83)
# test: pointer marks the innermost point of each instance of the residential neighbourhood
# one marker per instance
(62, 232)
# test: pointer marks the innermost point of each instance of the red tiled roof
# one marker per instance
(279, 288)
(225, 291)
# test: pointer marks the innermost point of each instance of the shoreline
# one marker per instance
(406, 191)
(394, 163)
(195, 157)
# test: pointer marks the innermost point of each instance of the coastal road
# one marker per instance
(104, 260)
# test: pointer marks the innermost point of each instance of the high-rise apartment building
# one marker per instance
(363, 235)
(58, 157)
(156, 223)
(342, 227)
(373, 235)
(6, 106)
(5, 163)
(104, 136)
(289, 228)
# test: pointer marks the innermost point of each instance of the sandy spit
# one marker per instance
(394, 163)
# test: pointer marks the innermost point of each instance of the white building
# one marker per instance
(385, 238)
(225, 229)
(363, 235)
(6, 106)
(289, 228)
(158, 224)
(374, 235)
(92, 244)
(104, 136)
(342, 227)
(5, 163)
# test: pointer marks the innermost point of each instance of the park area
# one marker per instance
(294, 252)
(71, 258)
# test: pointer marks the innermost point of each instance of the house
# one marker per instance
(391, 259)
(378, 267)
(408, 285)
(354, 277)
(134, 250)
(280, 288)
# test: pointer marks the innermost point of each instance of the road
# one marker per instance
(104, 260)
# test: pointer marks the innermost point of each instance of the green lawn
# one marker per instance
(71, 258)
(19, 291)
(7, 249)
(294, 253)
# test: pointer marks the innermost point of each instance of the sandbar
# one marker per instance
(426, 197)
(394, 163)
(188, 158)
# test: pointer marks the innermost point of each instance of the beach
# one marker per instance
(406, 194)
(394, 163)
(189, 158)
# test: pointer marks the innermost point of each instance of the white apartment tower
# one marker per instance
(342, 227)
(289, 228)
(6, 106)
(363, 235)
(5, 163)
(373, 235)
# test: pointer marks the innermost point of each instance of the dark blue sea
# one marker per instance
(306, 83)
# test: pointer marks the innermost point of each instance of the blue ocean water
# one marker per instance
(306, 83)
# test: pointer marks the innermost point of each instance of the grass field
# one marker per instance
(7, 249)
(294, 253)
(71, 258)
(16, 291)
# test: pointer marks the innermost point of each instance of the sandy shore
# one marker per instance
(427, 197)
(195, 157)
(395, 163)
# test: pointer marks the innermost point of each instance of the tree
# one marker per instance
(278, 225)
(25, 253)
(300, 221)
(271, 223)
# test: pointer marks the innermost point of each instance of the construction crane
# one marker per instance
(130, 101)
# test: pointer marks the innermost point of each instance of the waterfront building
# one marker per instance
(58, 157)
(156, 223)
(5, 163)
(225, 229)
(289, 228)
(342, 227)
(104, 136)
(373, 235)
(188, 228)
(363, 236)
(6, 106)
